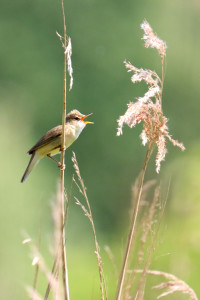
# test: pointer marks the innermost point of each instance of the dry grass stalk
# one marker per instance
(155, 215)
(88, 213)
(37, 265)
(33, 294)
(147, 222)
(143, 204)
(174, 284)
(155, 130)
(52, 279)
(146, 187)
(32, 290)
(55, 270)
(148, 228)
(132, 227)
(57, 240)
(112, 259)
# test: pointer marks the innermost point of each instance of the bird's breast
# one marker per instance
(72, 132)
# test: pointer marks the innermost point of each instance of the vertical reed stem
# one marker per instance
(62, 194)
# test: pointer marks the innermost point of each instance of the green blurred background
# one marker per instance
(103, 33)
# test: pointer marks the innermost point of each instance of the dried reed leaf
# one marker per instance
(68, 51)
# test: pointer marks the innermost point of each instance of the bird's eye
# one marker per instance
(77, 119)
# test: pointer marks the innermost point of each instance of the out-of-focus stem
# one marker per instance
(132, 226)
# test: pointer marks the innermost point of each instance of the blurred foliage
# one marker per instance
(103, 33)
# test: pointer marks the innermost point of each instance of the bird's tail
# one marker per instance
(32, 163)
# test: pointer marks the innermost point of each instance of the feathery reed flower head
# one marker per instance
(152, 40)
(148, 109)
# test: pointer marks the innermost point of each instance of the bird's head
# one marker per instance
(77, 121)
(76, 117)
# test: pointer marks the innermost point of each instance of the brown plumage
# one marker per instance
(47, 138)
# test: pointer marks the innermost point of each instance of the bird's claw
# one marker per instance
(63, 148)
(62, 167)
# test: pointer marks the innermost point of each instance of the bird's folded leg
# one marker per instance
(59, 164)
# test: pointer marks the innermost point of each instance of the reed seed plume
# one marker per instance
(148, 109)
(173, 284)
(152, 40)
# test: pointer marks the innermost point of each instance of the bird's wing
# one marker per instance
(48, 137)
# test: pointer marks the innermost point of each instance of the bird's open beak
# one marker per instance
(86, 122)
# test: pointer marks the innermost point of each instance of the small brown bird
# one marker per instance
(50, 143)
